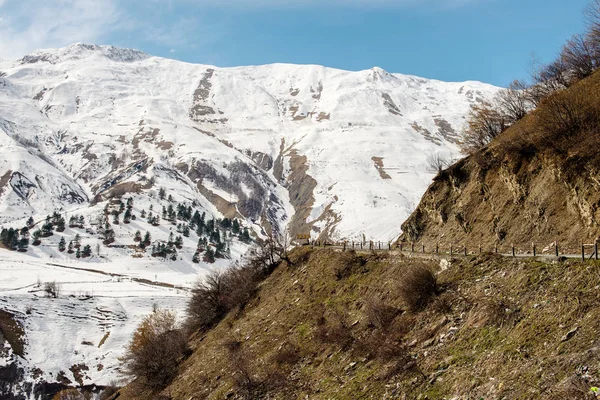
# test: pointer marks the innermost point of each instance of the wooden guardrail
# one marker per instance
(462, 250)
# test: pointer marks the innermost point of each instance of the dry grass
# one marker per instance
(308, 334)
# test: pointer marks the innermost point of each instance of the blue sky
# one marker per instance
(454, 40)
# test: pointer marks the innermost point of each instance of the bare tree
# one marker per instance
(437, 162)
(154, 351)
(578, 58)
(484, 123)
(514, 101)
(52, 289)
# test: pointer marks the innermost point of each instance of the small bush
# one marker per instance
(484, 123)
(219, 293)
(380, 315)
(287, 354)
(68, 394)
(109, 391)
(416, 286)
(52, 289)
(154, 351)
(244, 381)
(334, 329)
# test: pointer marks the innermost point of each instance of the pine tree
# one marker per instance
(30, 222)
(78, 253)
(130, 203)
(170, 199)
(235, 227)
(87, 251)
(209, 255)
(245, 236)
(127, 216)
(22, 244)
(196, 258)
(178, 242)
(62, 244)
(116, 219)
(147, 238)
(138, 236)
(70, 250)
(60, 224)
(77, 241)
(37, 234)
(81, 221)
(186, 230)
(161, 193)
(143, 214)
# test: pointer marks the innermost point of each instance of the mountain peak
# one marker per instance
(80, 51)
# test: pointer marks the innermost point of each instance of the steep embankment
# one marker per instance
(537, 182)
(335, 325)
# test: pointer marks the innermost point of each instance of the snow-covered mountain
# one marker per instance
(335, 153)
(294, 149)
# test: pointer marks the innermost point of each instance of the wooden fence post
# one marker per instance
(513, 249)
(379, 245)
(465, 250)
(412, 247)
(556, 248)
(422, 248)
(582, 251)
(344, 245)
(596, 248)
(437, 248)
(400, 246)
(533, 245)
(496, 248)
(390, 246)
(450, 249)
(480, 248)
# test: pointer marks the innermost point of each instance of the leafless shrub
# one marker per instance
(245, 382)
(567, 114)
(219, 293)
(579, 58)
(484, 123)
(348, 264)
(109, 391)
(69, 394)
(437, 162)
(380, 315)
(52, 289)
(417, 286)
(154, 351)
(514, 102)
(287, 354)
(381, 346)
(333, 328)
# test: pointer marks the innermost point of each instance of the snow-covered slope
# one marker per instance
(343, 152)
(285, 148)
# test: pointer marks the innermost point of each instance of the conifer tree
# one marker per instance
(62, 244)
(209, 255)
(70, 249)
(87, 251)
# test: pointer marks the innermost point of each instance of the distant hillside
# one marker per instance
(335, 325)
(301, 147)
(539, 182)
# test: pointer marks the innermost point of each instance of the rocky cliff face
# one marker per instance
(536, 183)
